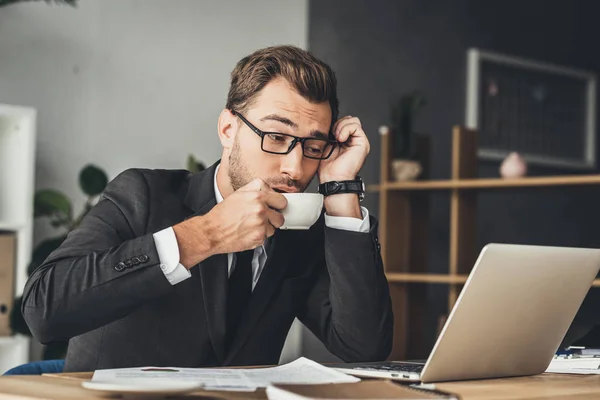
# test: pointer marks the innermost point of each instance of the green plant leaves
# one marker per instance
(92, 180)
(193, 165)
(51, 203)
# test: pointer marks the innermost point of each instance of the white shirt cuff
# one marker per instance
(349, 223)
(168, 254)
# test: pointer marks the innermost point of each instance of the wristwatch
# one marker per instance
(334, 187)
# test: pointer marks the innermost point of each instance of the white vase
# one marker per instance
(513, 166)
(405, 170)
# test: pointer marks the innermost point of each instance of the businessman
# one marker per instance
(188, 270)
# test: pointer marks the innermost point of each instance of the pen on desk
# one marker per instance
(160, 370)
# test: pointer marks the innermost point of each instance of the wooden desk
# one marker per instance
(547, 386)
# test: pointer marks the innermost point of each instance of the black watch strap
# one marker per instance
(334, 187)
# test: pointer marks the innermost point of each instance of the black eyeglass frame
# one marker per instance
(295, 139)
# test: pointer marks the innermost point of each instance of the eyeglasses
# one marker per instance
(281, 143)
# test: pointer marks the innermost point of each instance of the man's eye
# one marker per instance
(276, 138)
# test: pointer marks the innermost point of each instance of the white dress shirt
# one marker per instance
(168, 250)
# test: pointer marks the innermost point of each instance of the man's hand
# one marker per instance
(350, 154)
(242, 221)
(344, 164)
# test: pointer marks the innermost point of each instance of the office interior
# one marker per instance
(140, 83)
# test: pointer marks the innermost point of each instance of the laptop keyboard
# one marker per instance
(394, 367)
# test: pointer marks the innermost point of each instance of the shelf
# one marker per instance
(437, 278)
(9, 226)
(404, 231)
(491, 183)
(12, 340)
(425, 278)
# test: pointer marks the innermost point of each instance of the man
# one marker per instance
(190, 270)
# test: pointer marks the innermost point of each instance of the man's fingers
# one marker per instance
(275, 218)
(346, 130)
(275, 200)
(341, 120)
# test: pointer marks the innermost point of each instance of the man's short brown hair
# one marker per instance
(310, 77)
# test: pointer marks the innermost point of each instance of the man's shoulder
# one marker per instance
(153, 177)
(142, 182)
(164, 176)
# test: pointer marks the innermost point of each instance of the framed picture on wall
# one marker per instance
(545, 112)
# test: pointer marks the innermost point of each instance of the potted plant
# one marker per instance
(193, 165)
(404, 164)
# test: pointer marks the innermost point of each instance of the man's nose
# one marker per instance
(292, 162)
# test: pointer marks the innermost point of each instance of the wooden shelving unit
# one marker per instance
(494, 183)
(404, 218)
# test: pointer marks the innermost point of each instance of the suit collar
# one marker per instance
(200, 197)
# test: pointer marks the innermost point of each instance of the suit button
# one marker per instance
(135, 260)
(143, 258)
(120, 266)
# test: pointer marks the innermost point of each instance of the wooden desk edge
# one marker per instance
(83, 376)
(550, 386)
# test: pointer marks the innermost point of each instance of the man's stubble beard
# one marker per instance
(239, 176)
(238, 173)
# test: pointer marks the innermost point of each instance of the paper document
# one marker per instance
(365, 390)
(583, 365)
(301, 371)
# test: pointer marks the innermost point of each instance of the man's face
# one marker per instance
(277, 108)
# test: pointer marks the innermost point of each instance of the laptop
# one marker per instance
(509, 319)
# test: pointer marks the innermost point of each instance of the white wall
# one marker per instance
(131, 83)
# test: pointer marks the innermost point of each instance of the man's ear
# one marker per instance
(227, 127)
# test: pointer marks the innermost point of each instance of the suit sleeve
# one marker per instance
(349, 309)
(103, 270)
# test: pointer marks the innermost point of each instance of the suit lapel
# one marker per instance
(277, 262)
(213, 275)
(212, 272)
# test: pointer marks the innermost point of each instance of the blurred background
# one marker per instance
(116, 84)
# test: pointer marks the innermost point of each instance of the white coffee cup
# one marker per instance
(302, 211)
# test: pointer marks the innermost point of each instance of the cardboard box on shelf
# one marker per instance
(8, 258)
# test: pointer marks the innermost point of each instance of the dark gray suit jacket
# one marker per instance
(104, 290)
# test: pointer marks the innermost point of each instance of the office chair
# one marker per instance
(37, 368)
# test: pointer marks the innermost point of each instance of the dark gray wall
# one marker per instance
(382, 49)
